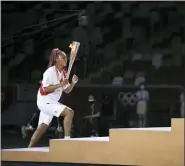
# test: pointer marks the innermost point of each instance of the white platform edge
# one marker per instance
(148, 129)
(86, 139)
(106, 139)
(36, 149)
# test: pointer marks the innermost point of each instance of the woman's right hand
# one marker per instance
(64, 82)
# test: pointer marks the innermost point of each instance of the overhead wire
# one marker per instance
(59, 32)
(40, 24)
(56, 10)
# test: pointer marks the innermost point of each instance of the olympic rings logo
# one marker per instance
(127, 98)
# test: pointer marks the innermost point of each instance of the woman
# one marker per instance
(142, 100)
(49, 93)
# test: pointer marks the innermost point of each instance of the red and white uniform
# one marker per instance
(48, 102)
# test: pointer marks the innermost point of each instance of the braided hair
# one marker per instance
(54, 53)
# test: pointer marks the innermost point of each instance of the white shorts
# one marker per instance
(48, 110)
(141, 107)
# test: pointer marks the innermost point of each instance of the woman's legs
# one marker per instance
(44, 121)
(141, 111)
(68, 114)
(37, 134)
(57, 110)
(140, 120)
(144, 120)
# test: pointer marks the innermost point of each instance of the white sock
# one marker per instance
(66, 137)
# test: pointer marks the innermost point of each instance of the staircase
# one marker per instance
(134, 146)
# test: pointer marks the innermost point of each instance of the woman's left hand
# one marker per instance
(74, 79)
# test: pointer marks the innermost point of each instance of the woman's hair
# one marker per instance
(54, 53)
